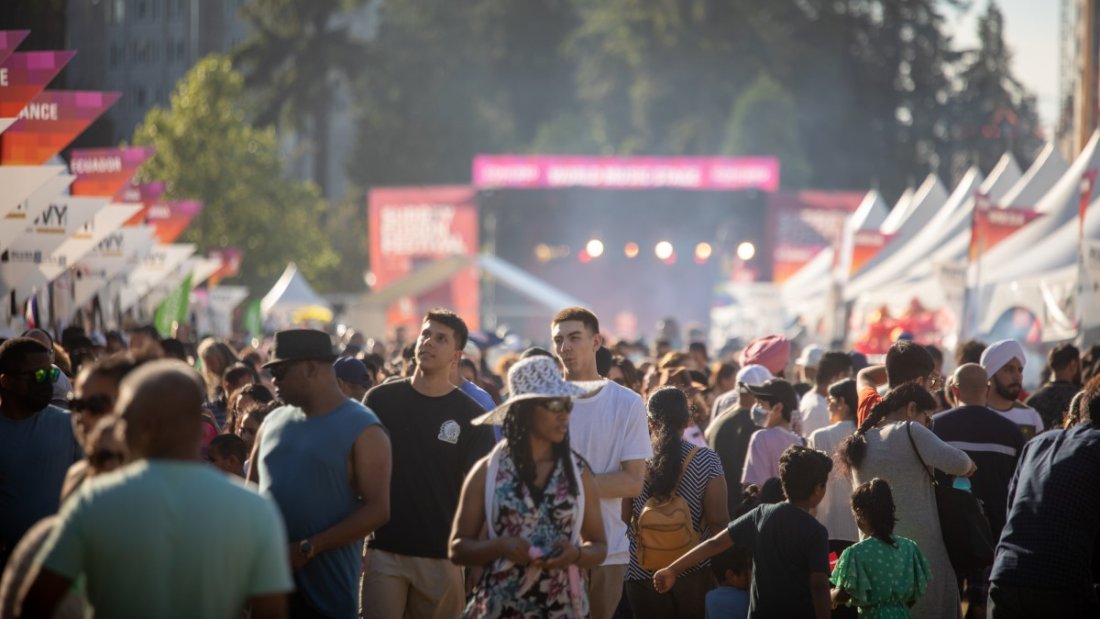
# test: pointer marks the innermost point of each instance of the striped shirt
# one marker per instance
(703, 467)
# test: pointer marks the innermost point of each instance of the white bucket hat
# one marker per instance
(534, 378)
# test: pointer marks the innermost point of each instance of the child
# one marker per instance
(228, 453)
(790, 548)
(884, 574)
(733, 571)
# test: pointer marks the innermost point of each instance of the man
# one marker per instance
(352, 377)
(609, 429)
(1043, 566)
(1003, 362)
(771, 351)
(906, 362)
(778, 399)
(1053, 398)
(806, 368)
(141, 536)
(994, 444)
(729, 435)
(37, 444)
(407, 572)
(698, 353)
(326, 461)
(814, 407)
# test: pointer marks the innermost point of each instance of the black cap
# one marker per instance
(776, 390)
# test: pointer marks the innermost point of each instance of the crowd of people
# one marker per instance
(314, 475)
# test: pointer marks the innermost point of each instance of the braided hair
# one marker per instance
(873, 505)
(517, 430)
(669, 411)
(853, 449)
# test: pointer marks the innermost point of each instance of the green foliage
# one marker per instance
(760, 124)
(206, 150)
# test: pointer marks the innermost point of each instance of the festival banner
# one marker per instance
(15, 223)
(990, 225)
(10, 40)
(801, 224)
(413, 226)
(691, 173)
(85, 239)
(118, 251)
(106, 171)
(20, 183)
(49, 122)
(865, 245)
(25, 74)
(161, 261)
(229, 259)
(254, 319)
(173, 309)
(145, 194)
(171, 218)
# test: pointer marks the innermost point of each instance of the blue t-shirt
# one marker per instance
(303, 465)
(727, 603)
(35, 455)
(484, 400)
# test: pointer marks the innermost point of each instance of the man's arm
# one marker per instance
(43, 595)
(663, 579)
(626, 482)
(819, 591)
(873, 376)
(371, 465)
(253, 474)
(271, 606)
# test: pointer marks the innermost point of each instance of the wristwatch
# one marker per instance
(306, 548)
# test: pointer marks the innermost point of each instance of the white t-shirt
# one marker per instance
(765, 448)
(834, 510)
(1025, 417)
(608, 429)
(815, 412)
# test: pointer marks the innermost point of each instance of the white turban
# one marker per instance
(998, 354)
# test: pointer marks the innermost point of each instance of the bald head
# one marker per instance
(161, 403)
(972, 384)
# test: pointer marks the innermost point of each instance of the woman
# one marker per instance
(241, 400)
(833, 511)
(537, 500)
(881, 447)
(216, 357)
(700, 481)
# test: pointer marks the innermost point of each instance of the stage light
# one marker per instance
(631, 250)
(544, 253)
(702, 252)
(663, 250)
(745, 251)
(595, 248)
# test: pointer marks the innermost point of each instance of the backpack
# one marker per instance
(664, 529)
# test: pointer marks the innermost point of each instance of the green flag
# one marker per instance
(174, 308)
(254, 320)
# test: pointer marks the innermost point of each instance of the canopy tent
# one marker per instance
(292, 294)
(901, 211)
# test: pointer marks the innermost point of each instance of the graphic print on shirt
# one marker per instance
(449, 431)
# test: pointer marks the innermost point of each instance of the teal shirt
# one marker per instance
(168, 538)
(882, 580)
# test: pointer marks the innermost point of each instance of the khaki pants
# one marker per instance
(605, 589)
(402, 587)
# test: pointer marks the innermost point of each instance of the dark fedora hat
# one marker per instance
(301, 345)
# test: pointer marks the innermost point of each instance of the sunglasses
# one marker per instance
(41, 375)
(103, 457)
(557, 406)
(279, 371)
(95, 404)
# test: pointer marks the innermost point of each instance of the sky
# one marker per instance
(1032, 34)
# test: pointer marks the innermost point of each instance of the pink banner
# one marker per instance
(106, 171)
(49, 122)
(692, 173)
(24, 75)
(10, 40)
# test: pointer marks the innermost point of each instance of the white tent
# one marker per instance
(291, 293)
(902, 209)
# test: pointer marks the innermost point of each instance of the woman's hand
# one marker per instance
(569, 555)
(515, 549)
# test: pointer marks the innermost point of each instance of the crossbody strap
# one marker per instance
(684, 468)
(909, 431)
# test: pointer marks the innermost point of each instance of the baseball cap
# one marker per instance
(776, 390)
(811, 356)
(352, 371)
(754, 375)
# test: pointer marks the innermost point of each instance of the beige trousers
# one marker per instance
(397, 586)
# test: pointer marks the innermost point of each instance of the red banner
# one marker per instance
(49, 122)
(10, 40)
(24, 75)
(106, 172)
(804, 223)
(865, 245)
(230, 258)
(991, 225)
(171, 218)
(413, 226)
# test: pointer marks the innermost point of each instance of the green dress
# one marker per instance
(882, 580)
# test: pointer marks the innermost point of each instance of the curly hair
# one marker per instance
(517, 431)
(873, 505)
(853, 449)
(669, 412)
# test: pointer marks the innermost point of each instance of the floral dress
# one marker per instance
(882, 580)
(510, 590)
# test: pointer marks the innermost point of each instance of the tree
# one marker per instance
(299, 53)
(206, 150)
(992, 113)
(762, 123)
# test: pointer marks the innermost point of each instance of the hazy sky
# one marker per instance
(1032, 33)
